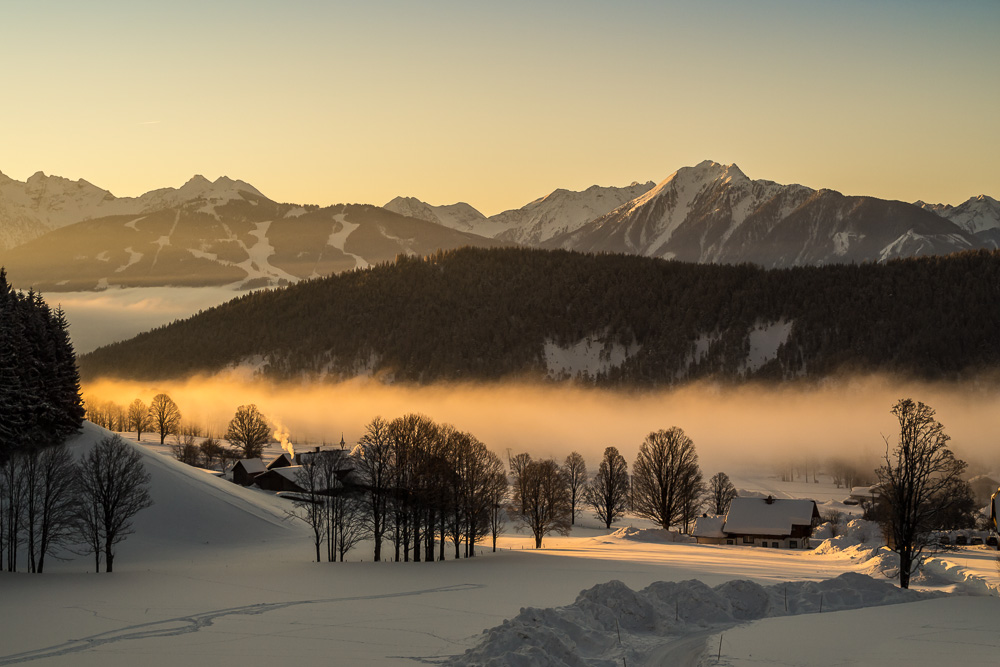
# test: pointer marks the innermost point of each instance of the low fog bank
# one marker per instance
(100, 318)
(733, 427)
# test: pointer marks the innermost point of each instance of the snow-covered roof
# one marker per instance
(865, 491)
(757, 516)
(252, 465)
(288, 472)
(282, 459)
(708, 526)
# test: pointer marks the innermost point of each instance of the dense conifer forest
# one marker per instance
(487, 314)
(39, 384)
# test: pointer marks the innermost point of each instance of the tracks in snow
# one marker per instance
(182, 625)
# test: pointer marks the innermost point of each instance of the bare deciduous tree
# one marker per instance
(113, 489)
(575, 469)
(375, 466)
(248, 430)
(541, 499)
(164, 416)
(663, 477)
(138, 418)
(608, 492)
(720, 493)
(915, 479)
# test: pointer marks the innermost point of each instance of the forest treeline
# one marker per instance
(487, 314)
(40, 400)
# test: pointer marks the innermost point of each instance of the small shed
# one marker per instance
(283, 460)
(708, 530)
(246, 470)
(282, 478)
(780, 523)
(860, 494)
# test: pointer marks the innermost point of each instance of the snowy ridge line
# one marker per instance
(611, 621)
(182, 625)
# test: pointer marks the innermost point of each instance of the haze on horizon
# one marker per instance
(498, 104)
(736, 428)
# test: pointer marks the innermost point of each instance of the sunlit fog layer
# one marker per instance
(99, 318)
(748, 426)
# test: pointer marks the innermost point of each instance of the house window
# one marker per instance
(793, 544)
(747, 539)
(730, 541)
(774, 545)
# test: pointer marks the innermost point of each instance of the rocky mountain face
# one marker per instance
(561, 212)
(977, 215)
(714, 213)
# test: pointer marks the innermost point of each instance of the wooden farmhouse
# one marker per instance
(246, 470)
(779, 523)
(283, 460)
(280, 478)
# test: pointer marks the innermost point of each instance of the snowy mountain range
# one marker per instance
(227, 231)
(208, 233)
(714, 213)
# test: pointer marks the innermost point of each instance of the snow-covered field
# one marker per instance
(220, 575)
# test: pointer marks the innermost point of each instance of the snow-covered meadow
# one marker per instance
(222, 575)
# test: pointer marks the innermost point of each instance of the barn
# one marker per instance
(246, 470)
(281, 478)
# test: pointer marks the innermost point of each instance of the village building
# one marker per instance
(779, 523)
(280, 478)
(283, 460)
(708, 530)
(862, 494)
(246, 470)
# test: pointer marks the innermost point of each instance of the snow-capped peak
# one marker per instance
(974, 215)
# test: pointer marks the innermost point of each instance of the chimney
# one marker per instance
(769, 500)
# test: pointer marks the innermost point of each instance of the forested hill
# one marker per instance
(491, 314)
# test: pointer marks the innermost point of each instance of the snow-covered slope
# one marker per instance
(224, 236)
(977, 215)
(44, 203)
(714, 213)
(561, 212)
(460, 216)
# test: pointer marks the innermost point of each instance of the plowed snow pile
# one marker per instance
(611, 621)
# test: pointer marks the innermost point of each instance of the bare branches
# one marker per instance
(917, 480)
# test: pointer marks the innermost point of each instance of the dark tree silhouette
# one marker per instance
(916, 481)
(720, 493)
(575, 470)
(541, 499)
(608, 492)
(663, 477)
(113, 489)
(164, 416)
(138, 418)
(248, 430)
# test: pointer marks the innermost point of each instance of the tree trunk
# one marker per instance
(538, 541)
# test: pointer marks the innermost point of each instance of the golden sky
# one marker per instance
(498, 103)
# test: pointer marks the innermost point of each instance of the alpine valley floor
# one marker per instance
(216, 574)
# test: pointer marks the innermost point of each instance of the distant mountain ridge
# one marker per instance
(715, 214)
(227, 232)
(44, 203)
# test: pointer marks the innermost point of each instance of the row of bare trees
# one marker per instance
(161, 416)
(51, 504)
(410, 482)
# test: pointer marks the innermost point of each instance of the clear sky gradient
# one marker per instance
(498, 103)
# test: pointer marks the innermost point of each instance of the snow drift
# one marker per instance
(611, 621)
